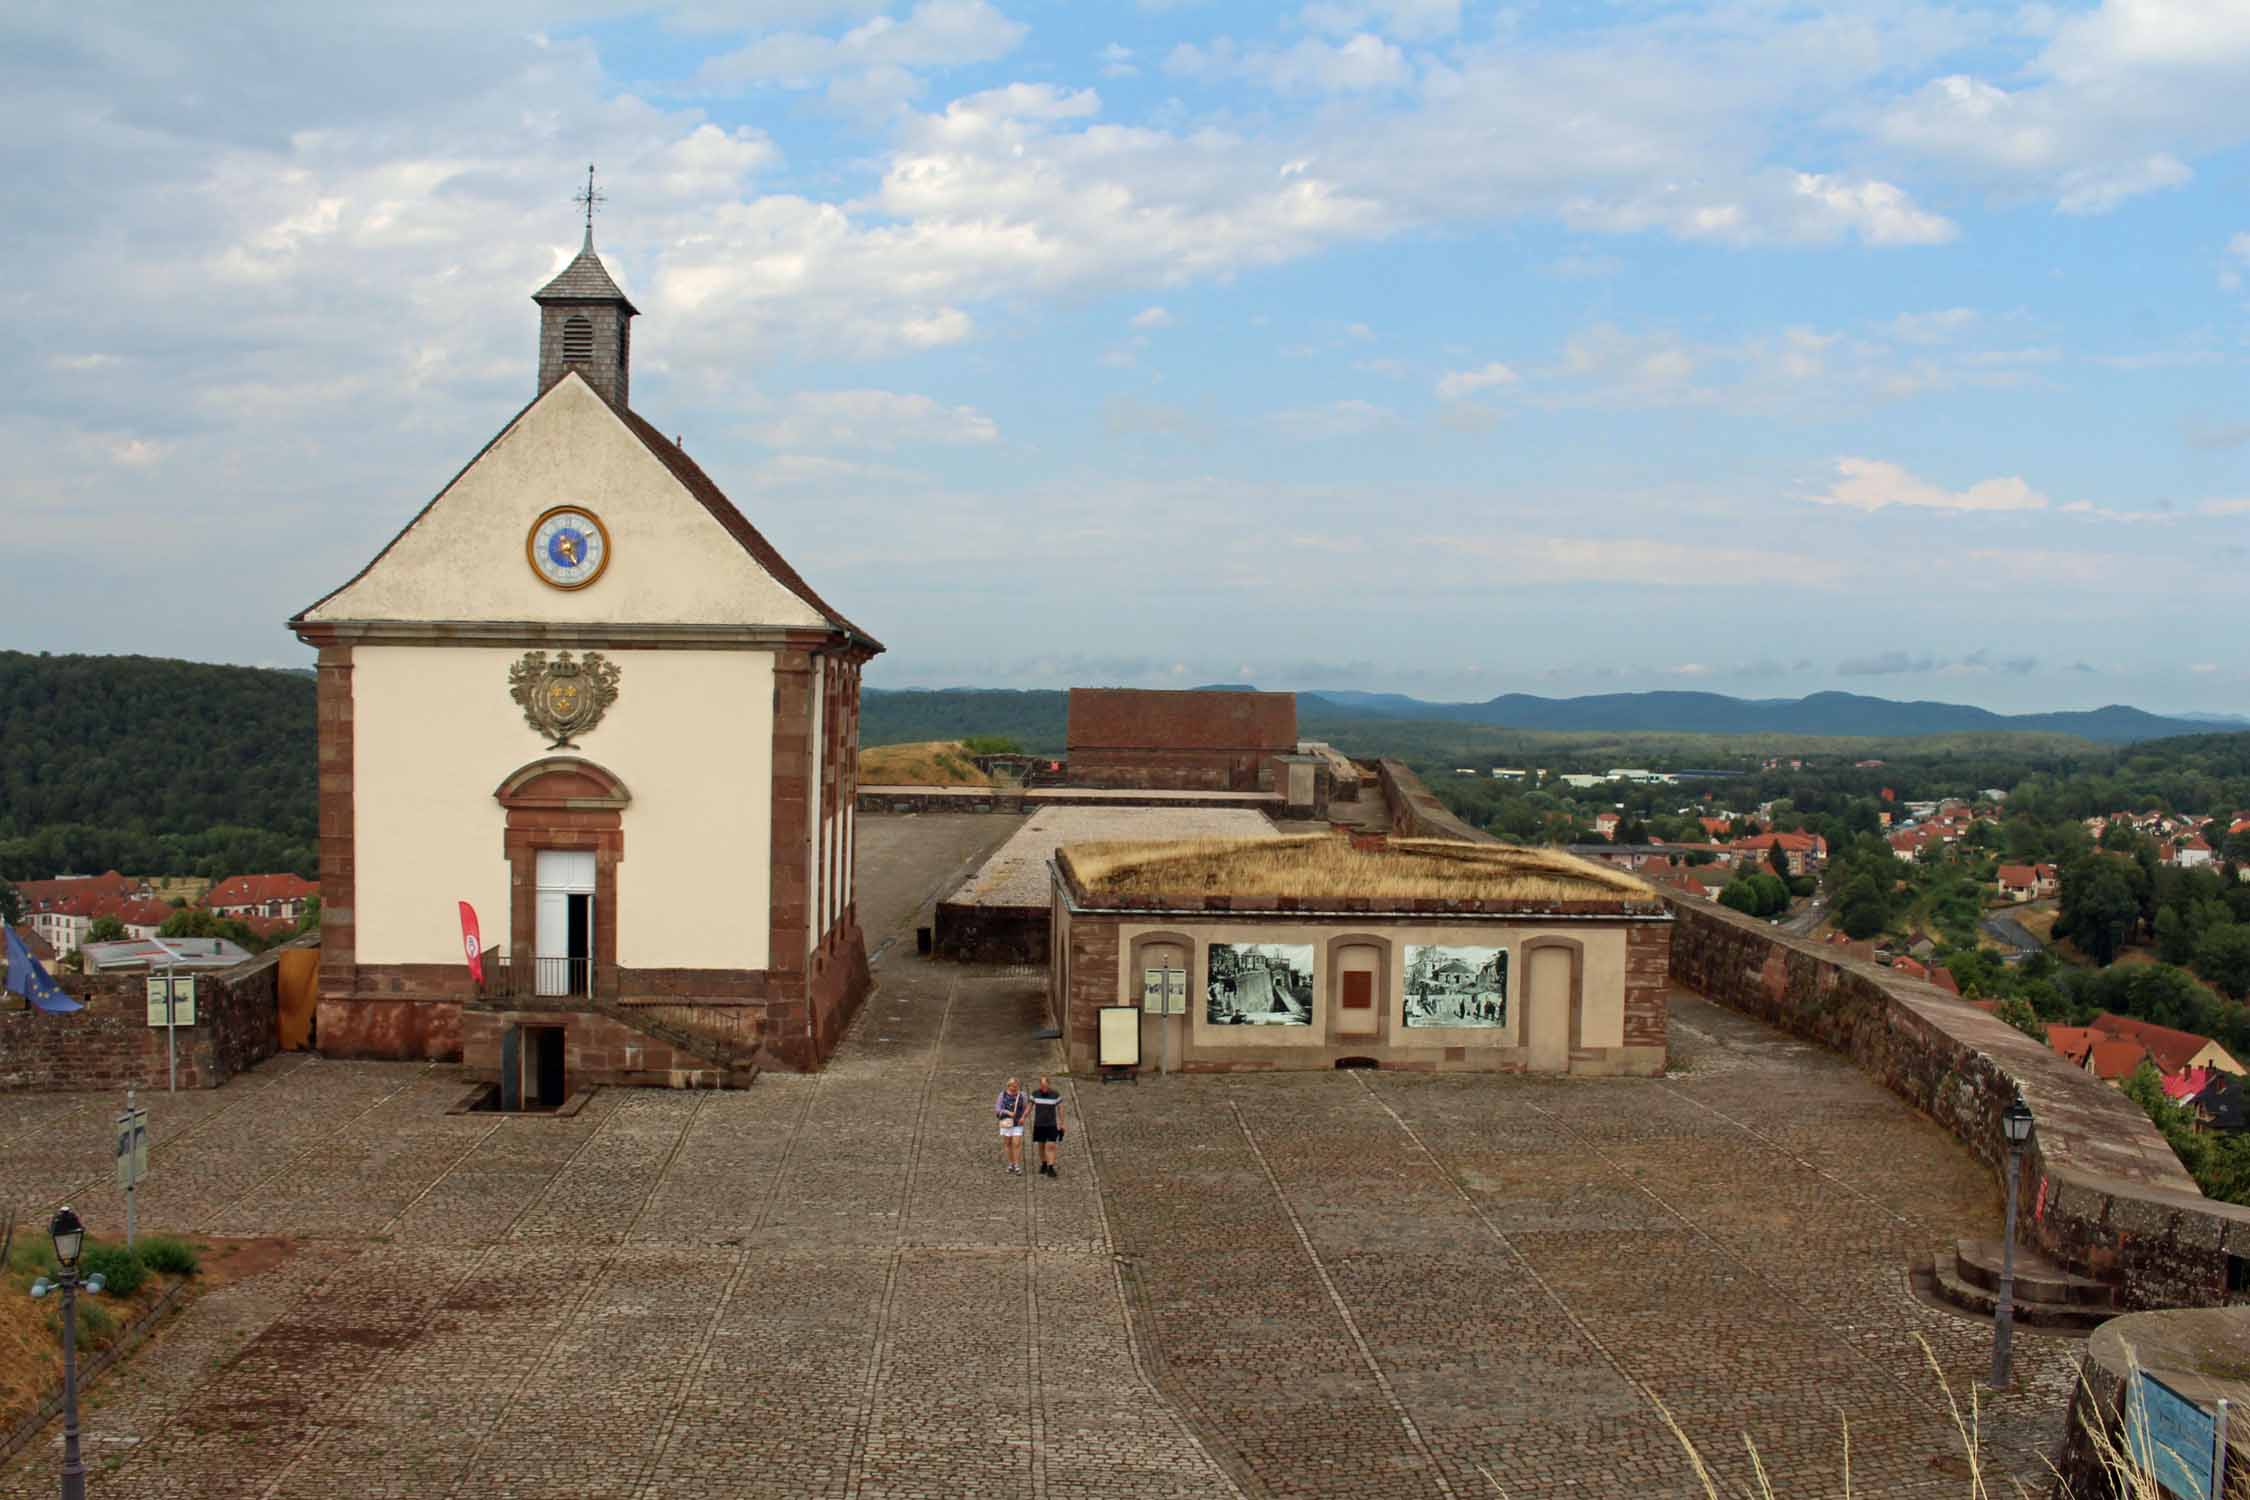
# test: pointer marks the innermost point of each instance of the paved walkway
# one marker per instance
(1312, 1284)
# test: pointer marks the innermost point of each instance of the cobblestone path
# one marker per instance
(1312, 1284)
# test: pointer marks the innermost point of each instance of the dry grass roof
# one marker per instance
(1322, 869)
(930, 763)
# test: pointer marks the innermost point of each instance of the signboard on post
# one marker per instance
(2175, 1439)
(1164, 992)
(132, 1159)
(181, 1008)
(132, 1147)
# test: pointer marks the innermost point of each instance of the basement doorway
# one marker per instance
(532, 1075)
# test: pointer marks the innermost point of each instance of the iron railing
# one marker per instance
(552, 978)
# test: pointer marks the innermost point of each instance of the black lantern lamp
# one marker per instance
(2016, 1122)
(69, 1236)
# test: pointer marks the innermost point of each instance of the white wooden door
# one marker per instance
(561, 874)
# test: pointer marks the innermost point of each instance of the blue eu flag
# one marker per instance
(27, 979)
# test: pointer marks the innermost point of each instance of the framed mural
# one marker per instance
(1259, 984)
(1456, 986)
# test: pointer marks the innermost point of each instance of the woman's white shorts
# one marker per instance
(1007, 1131)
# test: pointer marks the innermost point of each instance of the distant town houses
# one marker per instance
(2021, 883)
(2195, 1069)
(261, 896)
(61, 911)
(1805, 853)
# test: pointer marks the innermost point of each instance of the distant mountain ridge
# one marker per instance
(1817, 714)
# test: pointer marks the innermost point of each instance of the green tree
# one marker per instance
(105, 930)
(193, 921)
(11, 905)
(2099, 907)
(1772, 893)
(2020, 1014)
(1740, 895)
(2175, 944)
(2223, 958)
(1778, 859)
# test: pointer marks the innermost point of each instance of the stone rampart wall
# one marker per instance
(2103, 1193)
(110, 1044)
(1415, 810)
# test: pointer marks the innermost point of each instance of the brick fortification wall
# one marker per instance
(110, 1045)
(2103, 1194)
(1416, 812)
(1202, 742)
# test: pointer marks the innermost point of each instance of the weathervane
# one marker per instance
(593, 198)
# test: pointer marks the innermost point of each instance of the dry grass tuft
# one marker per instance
(1322, 868)
(930, 763)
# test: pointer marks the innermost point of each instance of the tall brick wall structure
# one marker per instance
(2103, 1193)
(1178, 741)
(110, 1044)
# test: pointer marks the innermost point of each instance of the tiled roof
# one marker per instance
(585, 279)
(2019, 875)
(2170, 1046)
(257, 890)
(2112, 1059)
(2073, 1042)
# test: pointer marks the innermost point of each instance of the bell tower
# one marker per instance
(585, 322)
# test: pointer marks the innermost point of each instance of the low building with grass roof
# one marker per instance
(1329, 951)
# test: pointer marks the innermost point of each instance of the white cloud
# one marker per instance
(1458, 383)
(872, 420)
(1877, 212)
(2203, 667)
(1870, 484)
(934, 34)
(2103, 113)
(2224, 508)
(1152, 317)
(1412, 20)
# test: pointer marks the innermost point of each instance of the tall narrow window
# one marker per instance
(578, 340)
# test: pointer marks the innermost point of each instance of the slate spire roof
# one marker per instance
(585, 279)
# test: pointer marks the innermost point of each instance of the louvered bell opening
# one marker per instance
(578, 341)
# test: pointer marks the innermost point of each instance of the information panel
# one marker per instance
(183, 999)
(1119, 1045)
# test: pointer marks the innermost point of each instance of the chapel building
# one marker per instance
(582, 694)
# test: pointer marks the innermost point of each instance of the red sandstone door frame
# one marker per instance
(563, 803)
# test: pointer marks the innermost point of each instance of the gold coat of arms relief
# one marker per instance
(563, 697)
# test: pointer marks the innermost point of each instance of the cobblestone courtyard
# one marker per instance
(1315, 1284)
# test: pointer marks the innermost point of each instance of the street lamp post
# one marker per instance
(70, 1239)
(2015, 1123)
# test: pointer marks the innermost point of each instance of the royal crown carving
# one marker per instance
(563, 697)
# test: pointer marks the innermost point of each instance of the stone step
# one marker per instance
(2038, 1279)
(2059, 1317)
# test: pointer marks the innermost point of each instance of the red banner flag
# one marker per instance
(471, 943)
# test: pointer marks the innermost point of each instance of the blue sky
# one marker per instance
(1411, 345)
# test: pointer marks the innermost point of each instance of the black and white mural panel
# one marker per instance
(1259, 984)
(1450, 985)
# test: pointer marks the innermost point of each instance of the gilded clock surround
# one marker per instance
(531, 546)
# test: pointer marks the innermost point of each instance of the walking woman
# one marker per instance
(1012, 1105)
(1046, 1124)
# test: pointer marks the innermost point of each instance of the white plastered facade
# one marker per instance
(690, 735)
(670, 563)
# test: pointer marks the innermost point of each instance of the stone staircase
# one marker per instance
(2046, 1295)
(733, 1059)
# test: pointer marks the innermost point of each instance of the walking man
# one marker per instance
(1046, 1124)
(1012, 1105)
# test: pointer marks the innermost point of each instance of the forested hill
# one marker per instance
(154, 767)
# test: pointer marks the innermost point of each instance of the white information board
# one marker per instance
(1119, 1044)
(183, 997)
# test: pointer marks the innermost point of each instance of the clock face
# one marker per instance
(568, 547)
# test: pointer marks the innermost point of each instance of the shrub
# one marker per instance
(121, 1266)
(991, 744)
(1802, 885)
(168, 1255)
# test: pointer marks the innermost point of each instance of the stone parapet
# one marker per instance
(2103, 1193)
